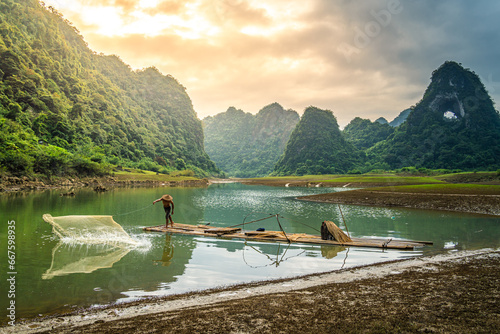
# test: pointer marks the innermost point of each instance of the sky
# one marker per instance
(366, 59)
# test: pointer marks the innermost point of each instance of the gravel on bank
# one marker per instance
(447, 293)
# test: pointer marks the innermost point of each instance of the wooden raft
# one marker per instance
(278, 236)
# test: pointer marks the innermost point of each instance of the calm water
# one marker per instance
(54, 276)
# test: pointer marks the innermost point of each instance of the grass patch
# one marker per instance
(462, 189)
(384, 179)
(461, 174)
(390, 178)
(471, 177)
(295, 178)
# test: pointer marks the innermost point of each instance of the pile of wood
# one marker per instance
(330, 231)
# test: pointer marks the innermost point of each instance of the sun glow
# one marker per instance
(148, 3)
(106, 19)
(109, 21)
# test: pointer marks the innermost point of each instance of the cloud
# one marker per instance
(125, 5)
(366, 59)
(174, 7)
(235, 13)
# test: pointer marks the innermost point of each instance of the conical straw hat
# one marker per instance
(166, 198)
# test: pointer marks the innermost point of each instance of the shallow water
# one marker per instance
(54, 275)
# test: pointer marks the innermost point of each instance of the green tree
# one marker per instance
(51, 82)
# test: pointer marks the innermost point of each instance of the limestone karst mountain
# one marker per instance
(246, 145)
(455, 125)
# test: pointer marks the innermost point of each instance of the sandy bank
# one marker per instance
(453, 292)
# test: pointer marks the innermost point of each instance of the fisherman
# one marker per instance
(168, 206)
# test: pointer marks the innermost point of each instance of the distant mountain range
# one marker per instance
(454, 126)
(65, 110)
(246, 145)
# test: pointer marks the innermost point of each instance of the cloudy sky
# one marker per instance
(356, 58)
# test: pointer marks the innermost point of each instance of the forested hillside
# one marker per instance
(363, 133)
(455, 125)
(65, 109)
(401, 118)
(246, 145)
(317, 146)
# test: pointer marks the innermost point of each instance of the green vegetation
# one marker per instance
(363, 133)
(401, 118)
(384, 179)
(67, 110)
(315, 178)
(406, 176)
(316, 146)
(366, 178)
(244, 145)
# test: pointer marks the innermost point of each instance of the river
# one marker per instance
(53, 276)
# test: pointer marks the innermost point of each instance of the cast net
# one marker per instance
(88, 229)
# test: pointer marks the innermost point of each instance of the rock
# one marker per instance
(100, 188)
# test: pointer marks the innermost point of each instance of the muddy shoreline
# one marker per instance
(469, 203)
(447, 293)
(476, 203)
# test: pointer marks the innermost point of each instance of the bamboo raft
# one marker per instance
(279, 236)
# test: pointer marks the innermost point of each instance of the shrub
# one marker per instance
(51, 160)
(180, 164)
(17, 163)
(85, 167)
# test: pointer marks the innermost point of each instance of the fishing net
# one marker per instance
(88, 229)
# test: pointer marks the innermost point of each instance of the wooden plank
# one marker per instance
(222, 230)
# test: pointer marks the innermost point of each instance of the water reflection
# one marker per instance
(80, 275)
(329, 252)
(168, 252)
(77, 258)
(272, 259)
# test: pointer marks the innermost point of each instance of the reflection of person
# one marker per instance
(168, 252)
(168, 206)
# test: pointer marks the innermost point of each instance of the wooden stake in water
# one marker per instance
(344, 221)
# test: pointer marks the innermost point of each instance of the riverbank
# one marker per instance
(447, 293)
(481, 199)
(375, 180)
(12, 184)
